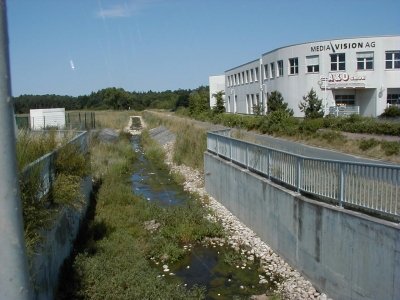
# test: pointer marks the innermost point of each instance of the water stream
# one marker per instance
(223, 273)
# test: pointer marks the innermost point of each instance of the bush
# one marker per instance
(311, 125)
(390, 148)
(391, 112)
(368, 144)
(279, 122)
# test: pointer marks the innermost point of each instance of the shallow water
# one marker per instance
(209, 267)
(154, 184)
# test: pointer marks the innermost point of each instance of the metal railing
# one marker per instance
(44, 168)
(344, 110)
(366, 186)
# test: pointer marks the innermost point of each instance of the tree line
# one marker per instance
(117, 99)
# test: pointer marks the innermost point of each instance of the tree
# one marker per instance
(199, 101)
(219, 105)
(275, 103)
(311, 105)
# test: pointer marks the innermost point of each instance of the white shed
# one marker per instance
(49, 117)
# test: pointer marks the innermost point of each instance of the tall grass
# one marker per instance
(30, 146)
(191, 139)
(40, 209)
(113, 119)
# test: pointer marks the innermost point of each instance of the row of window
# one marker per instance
(244, 77)
(365, 61)
(252, 103)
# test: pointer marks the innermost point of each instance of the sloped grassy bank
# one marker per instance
(113, 259)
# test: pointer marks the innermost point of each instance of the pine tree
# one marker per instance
(275, 103)
(311, 105)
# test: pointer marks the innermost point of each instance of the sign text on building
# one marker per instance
(342, 46)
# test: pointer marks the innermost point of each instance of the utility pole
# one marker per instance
(14, 276)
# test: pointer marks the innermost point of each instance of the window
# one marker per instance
(256, 74)
(365, 60)
(265, 71)
(235, 80)
(338, 62)
(251, 75)
(392, 59)
(247, 76)
(393, 99)
(293, 66)
(272, 69)
(240, 79)
(248, 104)
(344, 100)
(312, 63)
(243, 78)
(280, 68)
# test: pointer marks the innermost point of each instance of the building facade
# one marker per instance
(216, 84)
(356, 75)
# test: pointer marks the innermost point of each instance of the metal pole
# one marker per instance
(14, 276)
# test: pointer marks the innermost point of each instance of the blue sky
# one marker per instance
(74, 47)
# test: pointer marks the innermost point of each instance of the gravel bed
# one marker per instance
(293, 285)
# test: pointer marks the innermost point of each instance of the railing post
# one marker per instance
(230, 150)
(341, 184)
(217, 150)
(268, 162)
(247, 156)
(298, 173)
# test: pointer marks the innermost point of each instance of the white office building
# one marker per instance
(355, 75)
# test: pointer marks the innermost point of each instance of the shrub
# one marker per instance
(279, 122)
(390, 148)
(391, 112)
(368, 144)
(311, 125)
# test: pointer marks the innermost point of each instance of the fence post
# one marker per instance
(230, 149)
(268, 162)
(298, 173)
(341, 184)
(14, 276)
(247, 155)
(217, 150)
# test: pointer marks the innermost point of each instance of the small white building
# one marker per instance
(216, 84)
(49, 117)
(356, 74)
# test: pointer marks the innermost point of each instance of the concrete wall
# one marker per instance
(345, 254)
(56, 246)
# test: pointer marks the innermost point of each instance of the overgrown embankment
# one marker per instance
(357, 135)
(114, 260)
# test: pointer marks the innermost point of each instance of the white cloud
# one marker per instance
(126, 9)
(116, 11)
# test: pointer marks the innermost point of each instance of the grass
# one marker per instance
(41, 208)
(30, 147)
(191, 139)
(113, 119)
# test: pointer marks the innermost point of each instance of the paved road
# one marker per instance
(310, 151)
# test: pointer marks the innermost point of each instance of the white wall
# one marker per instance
(217, 84)
(49, 117)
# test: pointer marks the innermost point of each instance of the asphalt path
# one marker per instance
(310, 151)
